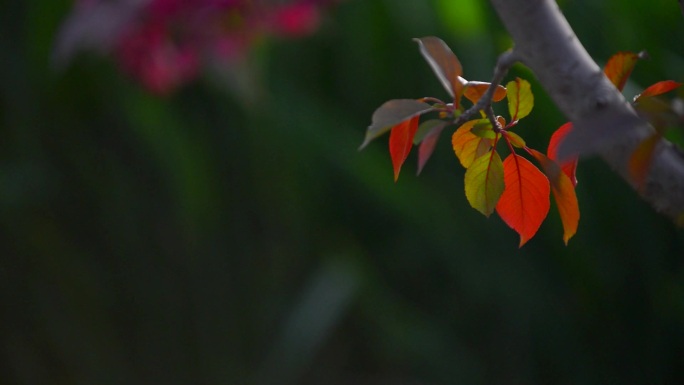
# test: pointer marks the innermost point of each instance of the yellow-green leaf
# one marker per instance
(520, 98)
(484, 129)
(467, 145)
(484, 182)
(515, 139)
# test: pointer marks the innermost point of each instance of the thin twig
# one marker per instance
(503, 64)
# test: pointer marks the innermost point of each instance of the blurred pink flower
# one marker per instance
(166, 43)
(296, 20)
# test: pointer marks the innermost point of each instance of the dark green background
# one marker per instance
(224, 237)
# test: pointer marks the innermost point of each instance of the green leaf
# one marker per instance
(520, 98)
(515, 139)
(392, 113)
(483, 129)
(484, 182)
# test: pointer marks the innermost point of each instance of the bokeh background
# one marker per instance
(232, 234)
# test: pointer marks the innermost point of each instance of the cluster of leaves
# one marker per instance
(658, 112)
(513, 187)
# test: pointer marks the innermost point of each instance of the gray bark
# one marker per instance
(605, 124)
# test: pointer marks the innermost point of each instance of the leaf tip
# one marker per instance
(567, 237)
(523, 241)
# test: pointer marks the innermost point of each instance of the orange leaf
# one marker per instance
(563, 192)
(467, 145)
(658, 89)
(569, 167)
(474, 90)
(641, 158)
(401, 141)
(525, 202)
(619, 67)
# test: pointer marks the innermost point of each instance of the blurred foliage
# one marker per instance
(211, 238)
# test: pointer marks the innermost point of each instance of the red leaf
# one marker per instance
(641, 158)
(401, 141)
(563, 192)
(619, 67)
(525, 201)
(593, 133)
(569, 167)
(658, 89)
(427, 145)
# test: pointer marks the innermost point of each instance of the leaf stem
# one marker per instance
(510, 145)
(433, 100)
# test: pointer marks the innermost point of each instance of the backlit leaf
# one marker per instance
(515, 139)
(641, 158)
(658, 89)
(660, 113)
(563, 192)
(443, 63)
(426, 127)
(484, 182)
(392, 113)
(502, 121)
(474, 90)
(483, 129)
(467, 145)
(428, 142)
(569, 167)
(619, 67)
(525, 202)
(520, 98)
(401, 141)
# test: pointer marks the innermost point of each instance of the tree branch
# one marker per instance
(604, 123)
